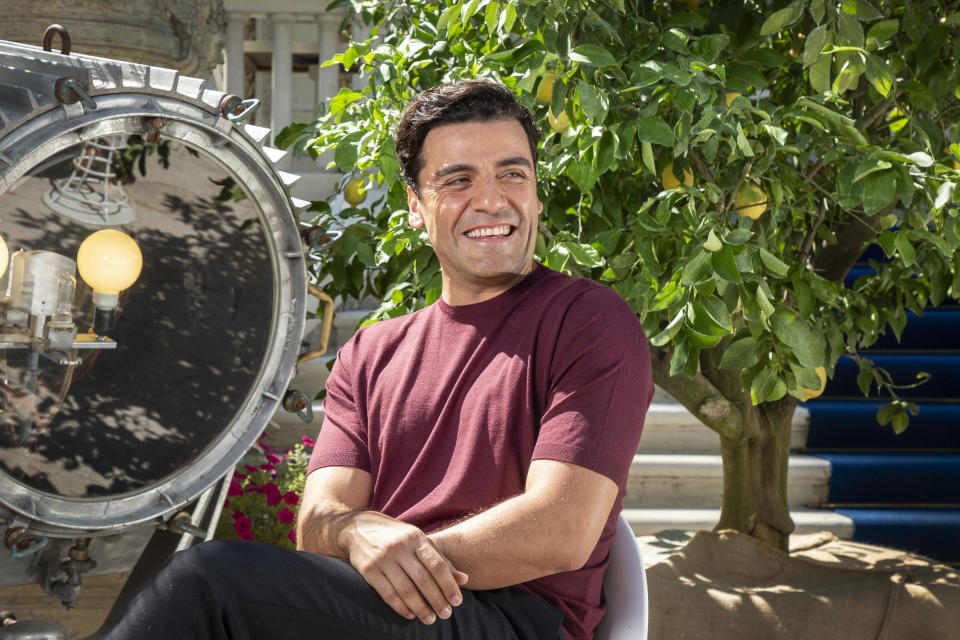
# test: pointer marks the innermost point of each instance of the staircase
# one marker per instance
(901, 491)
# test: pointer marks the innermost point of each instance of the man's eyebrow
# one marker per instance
(453, 168)
(456, 168)
(516, 160)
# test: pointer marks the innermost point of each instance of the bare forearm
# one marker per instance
(513, 542)
(552, 527)
(320, 528)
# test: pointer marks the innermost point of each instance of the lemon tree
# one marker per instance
(797, 133)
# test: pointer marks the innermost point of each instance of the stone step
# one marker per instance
(653, 520)
(696, 481)
(671, 428)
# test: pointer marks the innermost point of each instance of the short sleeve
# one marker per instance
(600, 387)
(342, 440)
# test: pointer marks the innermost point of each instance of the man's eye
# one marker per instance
(457, 181)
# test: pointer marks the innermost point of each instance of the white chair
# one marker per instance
(625, 589)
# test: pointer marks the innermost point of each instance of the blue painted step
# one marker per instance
(853, 425)
(931, 532)
(944, 384)
(935, 330)
(894, 478)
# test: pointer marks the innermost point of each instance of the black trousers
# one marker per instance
(230, 589)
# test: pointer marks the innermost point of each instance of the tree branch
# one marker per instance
(702, 168)
(881, 110)
(699, 396)
(808, 241)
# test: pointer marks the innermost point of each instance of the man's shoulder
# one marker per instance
(570, 290)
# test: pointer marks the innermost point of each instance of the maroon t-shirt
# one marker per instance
(447, 407)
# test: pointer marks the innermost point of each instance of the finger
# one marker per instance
(443, 575)
(409, 594)
(384, 587)
(460, 577)
(422, 577)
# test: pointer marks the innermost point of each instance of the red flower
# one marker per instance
(235, 489)
(307, 441)
(272, 493)
(226, 503)
(241, 525)
(250, 468)
(273, 458)
(291, 498)
(245, 535)
(292, 536)
(266, 447)
(285, 516)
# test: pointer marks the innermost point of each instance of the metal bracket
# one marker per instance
(56, 29)
(69, 90)
(22, 542)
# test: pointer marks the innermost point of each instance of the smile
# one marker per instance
(486, 232)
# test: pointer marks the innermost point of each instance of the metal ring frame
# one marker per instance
(57, 129)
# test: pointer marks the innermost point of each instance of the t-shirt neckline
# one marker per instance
(476, 310)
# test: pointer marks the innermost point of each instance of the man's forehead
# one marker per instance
(458, 142)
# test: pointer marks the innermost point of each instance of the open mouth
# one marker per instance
(500, 231)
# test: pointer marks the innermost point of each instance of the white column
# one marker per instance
(359, 32)
(233, 53)
(328, 77)
(281, 103)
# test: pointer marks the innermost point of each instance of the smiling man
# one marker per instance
(473, 456)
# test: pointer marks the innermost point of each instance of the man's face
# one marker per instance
(478, 200)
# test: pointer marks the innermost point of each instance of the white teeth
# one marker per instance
(489, 231)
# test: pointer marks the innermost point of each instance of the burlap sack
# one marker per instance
(729, 586)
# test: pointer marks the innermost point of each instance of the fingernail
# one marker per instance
(430, 619)
(410, 616)
(456, 600)
(446, 613)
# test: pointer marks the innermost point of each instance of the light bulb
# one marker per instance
(4, 257)
(109, 261)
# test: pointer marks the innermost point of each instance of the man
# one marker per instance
(472, 461)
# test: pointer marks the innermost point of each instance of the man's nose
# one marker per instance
(488, 196)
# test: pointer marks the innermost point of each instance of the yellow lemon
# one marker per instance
(813, 393)
(692, 5)
(559, 124)
(670, 181)
(751, 201)
(354, 193)
(545, 92)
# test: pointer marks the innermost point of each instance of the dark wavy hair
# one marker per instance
(464, 101)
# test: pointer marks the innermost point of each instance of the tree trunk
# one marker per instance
(755, 476)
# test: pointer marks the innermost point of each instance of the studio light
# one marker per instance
(109, 261)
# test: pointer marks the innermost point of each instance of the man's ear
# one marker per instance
(414, 218)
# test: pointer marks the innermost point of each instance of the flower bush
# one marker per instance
(264, 493)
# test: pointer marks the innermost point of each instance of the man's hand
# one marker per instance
(403, 565)
(395, 558)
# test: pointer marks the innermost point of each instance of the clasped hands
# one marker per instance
(403, 565)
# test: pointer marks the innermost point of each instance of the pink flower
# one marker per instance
(226, 504)
(245, 535)
(270, 468)
(292, 536)
(285, 515)
(237, 514)
(238, 476)
(291, 498)
(250, 468)
(273, 458)
(241, 524)
(308, 441)
(235, 489)
(266, 447)
(272, 493)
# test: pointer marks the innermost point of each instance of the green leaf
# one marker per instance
(742, 354)
(647, 152)
(712, 243)
(773, 264)
(907, 253)
(766, 309)
(697, 269)
(584, 254)
(656, 131)
(778, 134)
(347, 152)
(593, 55)
(878, 75)
(593, 104)
(820, 74)
(780, 20)
(807, 346)
(738, 236)
(881, 32)
(725, 264)
(944, 194)
(669, 332)
(820, 37)
(879, 190)
(868, 166)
